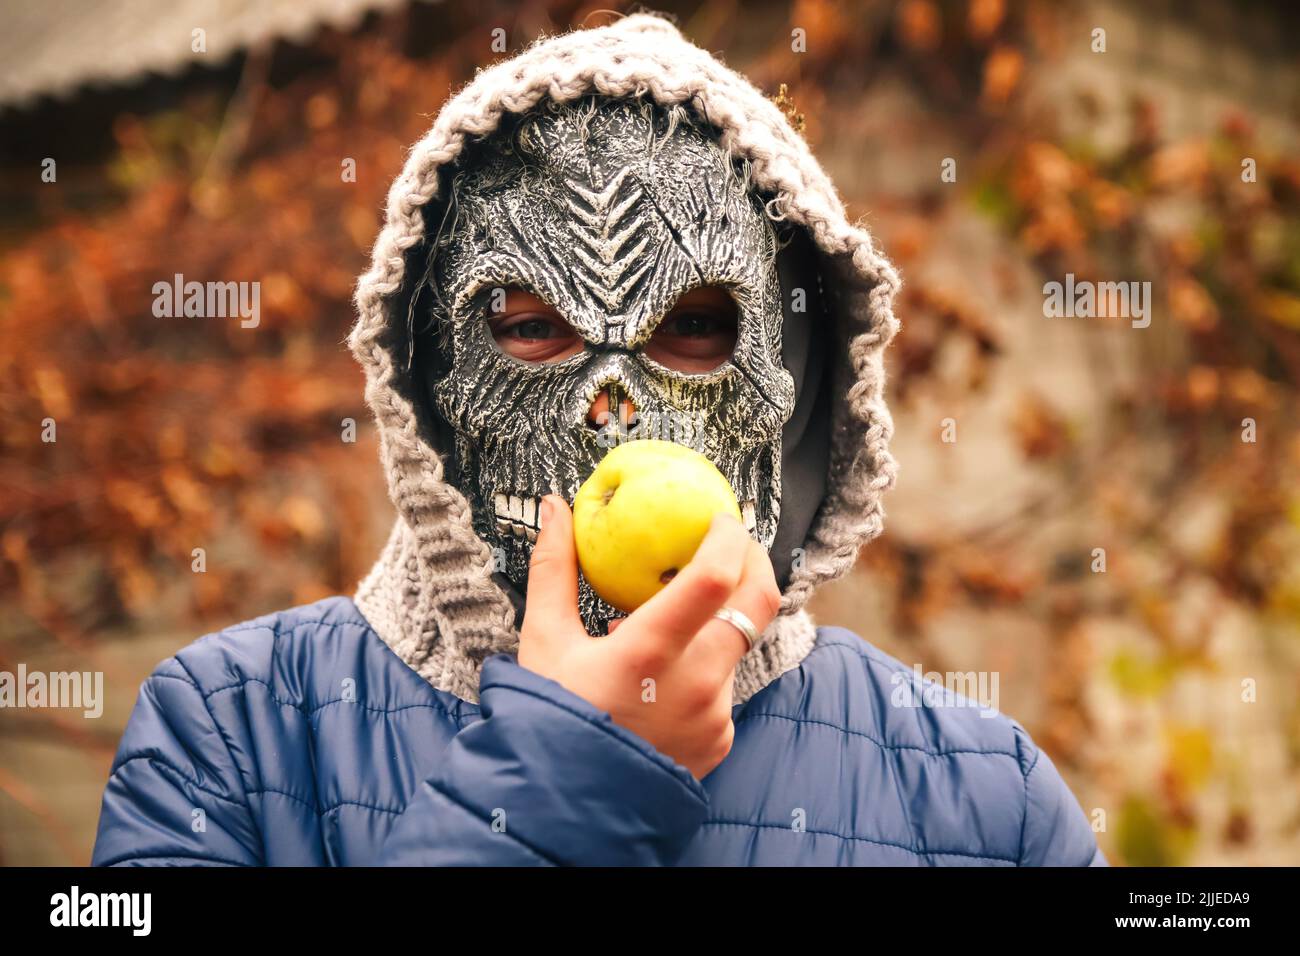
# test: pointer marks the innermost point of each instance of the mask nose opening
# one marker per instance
(612, 407)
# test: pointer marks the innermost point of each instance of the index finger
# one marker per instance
(675, 615)
(720, 644)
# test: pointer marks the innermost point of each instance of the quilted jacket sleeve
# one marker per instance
(174, 795)
(546, 779)
(1055, 832)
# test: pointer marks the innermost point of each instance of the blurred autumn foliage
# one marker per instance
(177, 434)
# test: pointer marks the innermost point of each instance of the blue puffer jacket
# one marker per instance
(301, 739)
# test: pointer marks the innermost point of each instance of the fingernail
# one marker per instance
(547, 510)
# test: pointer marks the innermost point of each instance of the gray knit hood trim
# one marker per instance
(431, 596)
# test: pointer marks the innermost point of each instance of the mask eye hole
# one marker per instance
(699, 334)
(528, 329)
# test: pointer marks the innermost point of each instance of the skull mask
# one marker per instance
(609, 211)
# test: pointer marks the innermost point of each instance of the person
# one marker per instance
(608, 237)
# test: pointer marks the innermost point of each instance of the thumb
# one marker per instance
(551, 604)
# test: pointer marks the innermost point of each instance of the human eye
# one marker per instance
(528, 329)
(698, 335)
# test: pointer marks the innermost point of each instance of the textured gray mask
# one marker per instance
(609, 211)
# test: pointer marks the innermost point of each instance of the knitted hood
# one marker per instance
(432, 595)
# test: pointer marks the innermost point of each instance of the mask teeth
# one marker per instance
(747, 516)
(516, 515)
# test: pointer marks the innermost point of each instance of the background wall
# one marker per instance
(1164, 687)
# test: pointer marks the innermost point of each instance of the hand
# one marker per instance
(667, 674)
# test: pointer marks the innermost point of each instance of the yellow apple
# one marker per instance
(639, 517)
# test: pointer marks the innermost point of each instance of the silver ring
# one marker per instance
(740, 622)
